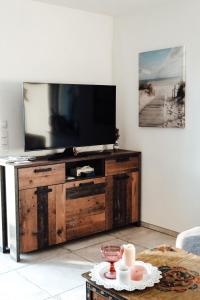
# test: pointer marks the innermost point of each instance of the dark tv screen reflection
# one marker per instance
(68, 115)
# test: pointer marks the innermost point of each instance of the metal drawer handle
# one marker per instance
(86, 183)
(42, 170)
(121, 177)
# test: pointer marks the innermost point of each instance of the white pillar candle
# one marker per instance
(128, 255)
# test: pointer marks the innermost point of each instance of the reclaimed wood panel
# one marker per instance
(117, 166)
(42, 216)
(41, 176)
(52, 216)
(28, 220)
(83, 225)
(120, 200)
(109, 202)
(135, 197)
(60, 214)
(84, 206)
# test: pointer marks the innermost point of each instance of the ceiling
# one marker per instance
(108, 7)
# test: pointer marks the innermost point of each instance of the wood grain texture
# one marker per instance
(28, 220)
(83, 225)
(84, 206)
(135, 197)
(86, 214)
(60, 214)
(109, 202)
(117, 166)
(42, 216)
(120, 200)
(52, 216)
(41, 176)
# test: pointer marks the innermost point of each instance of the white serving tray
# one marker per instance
(153, 276)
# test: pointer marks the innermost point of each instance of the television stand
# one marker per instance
(45, 207)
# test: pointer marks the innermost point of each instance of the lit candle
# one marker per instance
(128, 255)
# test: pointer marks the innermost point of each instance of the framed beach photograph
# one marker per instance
(162, 88)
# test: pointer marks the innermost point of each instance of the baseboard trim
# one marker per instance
(160, 229)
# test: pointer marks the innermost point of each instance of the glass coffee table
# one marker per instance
(180, 281)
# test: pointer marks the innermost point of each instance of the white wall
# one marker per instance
(48, 43)
(170, 157)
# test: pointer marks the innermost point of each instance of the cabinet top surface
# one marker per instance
(40, 161)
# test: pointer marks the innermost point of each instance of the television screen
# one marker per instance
(68, 115)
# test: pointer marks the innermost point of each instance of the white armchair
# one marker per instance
(189, 240)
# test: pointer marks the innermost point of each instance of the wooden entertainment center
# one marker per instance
(40, 207)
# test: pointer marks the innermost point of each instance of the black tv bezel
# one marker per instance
(58, 148)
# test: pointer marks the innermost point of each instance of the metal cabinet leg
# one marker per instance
(3, 213)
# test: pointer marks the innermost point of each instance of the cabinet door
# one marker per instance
(28, 220)
(42, 217)
(85, 207)
(122, 199)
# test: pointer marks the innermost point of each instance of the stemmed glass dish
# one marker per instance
(111, 254)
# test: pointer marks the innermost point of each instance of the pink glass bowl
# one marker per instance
(111, 254)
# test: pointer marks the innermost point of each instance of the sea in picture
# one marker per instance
(162, 89)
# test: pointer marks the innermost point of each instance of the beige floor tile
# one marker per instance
(15, 287)
(128, 231)
(86, 242)
(59, 274)
(144, 237)
(7, 264)
(78, 293)
(43, 255)
(151, 239)
(93, 253)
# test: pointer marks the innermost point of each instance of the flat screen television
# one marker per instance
(68, 115)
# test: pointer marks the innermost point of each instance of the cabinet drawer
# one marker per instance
(120, 165)
(85, 188)
(85, 207)
(41, 176)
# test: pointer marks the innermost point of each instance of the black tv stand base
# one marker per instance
(88, 153)
(68, 152)
(71, 152)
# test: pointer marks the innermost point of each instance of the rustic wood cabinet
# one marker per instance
(44, 208)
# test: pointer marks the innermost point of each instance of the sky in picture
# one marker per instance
(164, 63)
